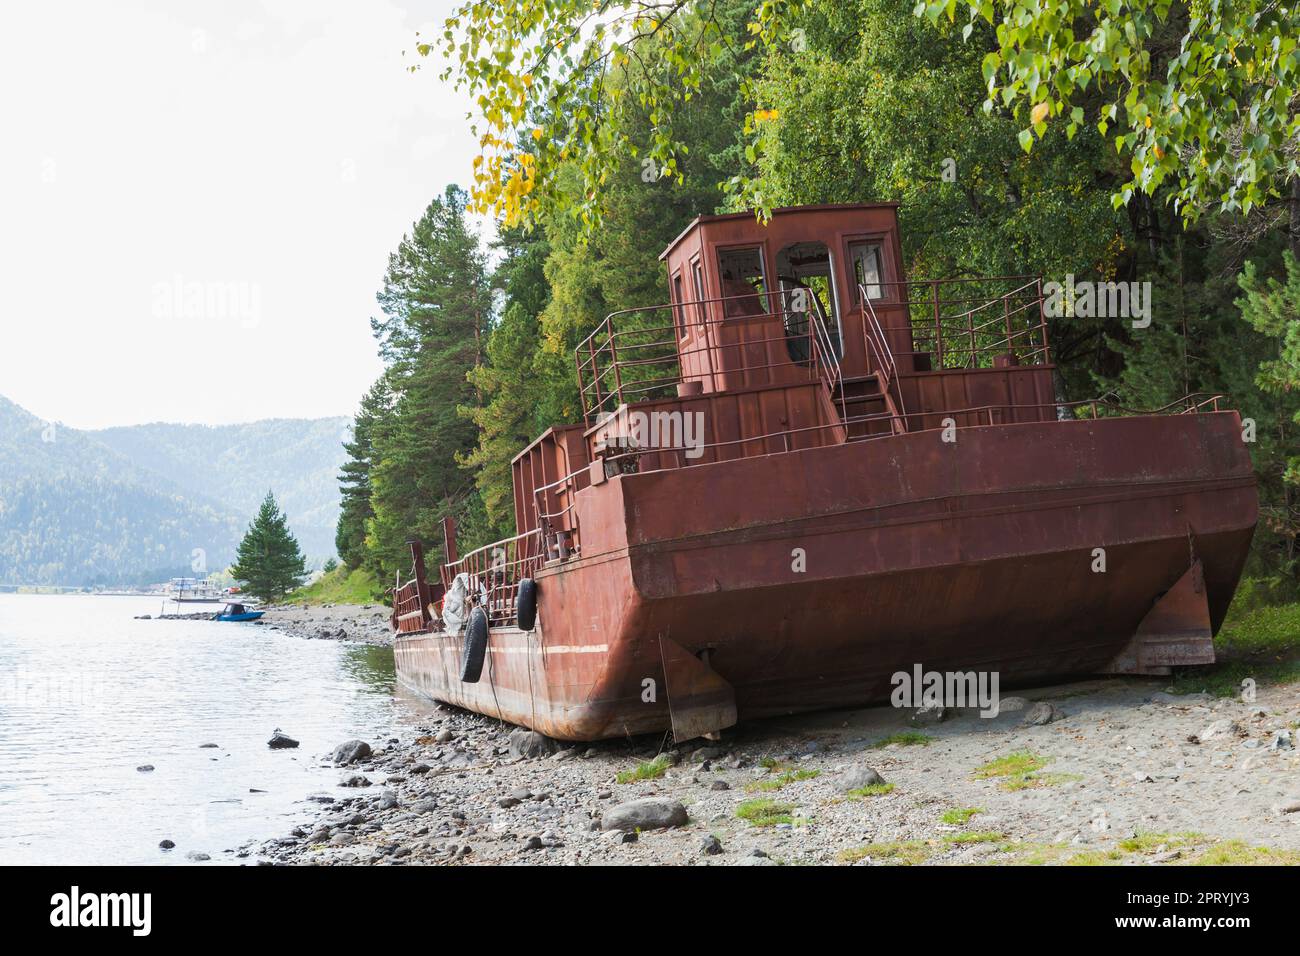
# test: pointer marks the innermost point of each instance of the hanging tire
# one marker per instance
(475, 647)
(526, 605)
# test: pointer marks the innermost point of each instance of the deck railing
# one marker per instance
(638, 354)
(971, 417)
(937, 324)
(408, 607)
(494, 572)
(965, 323)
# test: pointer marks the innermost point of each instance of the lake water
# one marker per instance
(88, 694)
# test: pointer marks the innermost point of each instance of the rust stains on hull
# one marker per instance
(976, 555)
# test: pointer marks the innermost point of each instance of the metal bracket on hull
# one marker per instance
(700, 702)
(1175, 633)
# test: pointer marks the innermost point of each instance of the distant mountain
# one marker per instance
(131, 505)
(297, 459)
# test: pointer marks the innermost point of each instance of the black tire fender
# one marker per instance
(526, 605)
(475, 647)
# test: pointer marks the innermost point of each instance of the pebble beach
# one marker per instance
(1116, 771)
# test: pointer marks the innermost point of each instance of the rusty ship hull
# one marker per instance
(782, 583)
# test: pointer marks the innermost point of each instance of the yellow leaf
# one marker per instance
(1040, 112)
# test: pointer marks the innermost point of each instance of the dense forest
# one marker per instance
(1163, 151)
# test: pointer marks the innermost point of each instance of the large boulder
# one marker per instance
(351, 752)
(531, 744)
(857, 778)
(281, 741)
(649, 813)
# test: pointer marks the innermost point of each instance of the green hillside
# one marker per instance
(75, 512)
(236, 465)
(137, 505)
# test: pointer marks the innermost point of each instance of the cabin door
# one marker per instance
(809, 302)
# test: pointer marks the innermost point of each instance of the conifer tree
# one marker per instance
(268, 561)
(354, 478)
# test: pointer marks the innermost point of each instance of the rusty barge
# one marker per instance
(807, 472)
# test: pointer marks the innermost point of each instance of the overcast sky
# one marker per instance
(197, 201)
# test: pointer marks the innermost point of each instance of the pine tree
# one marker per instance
(354, 478)
(436, 308)
(268, 561)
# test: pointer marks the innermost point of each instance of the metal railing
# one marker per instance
(632, 356)
(971, 417)
(966, 323)
(408, 607)
(882, 353)
(494, 572)
(939, 324)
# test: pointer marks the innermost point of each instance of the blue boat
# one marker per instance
(237, 612)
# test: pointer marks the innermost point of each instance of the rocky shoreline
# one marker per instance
(366, 623)
(1114, 771)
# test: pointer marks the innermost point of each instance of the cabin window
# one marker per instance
(744, 282)
(679, 318)
(868, 268)
(807, 280)
(697, 276)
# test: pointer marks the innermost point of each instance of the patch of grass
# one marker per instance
(1147, 842)
(1031, 853)
(340, 586)
(1198, 850)
(1032, 781)
(1095, 858)
(765, 812)
(1035, 854)
(1225, 679)
(908, 853)
(904, 738)
(974, 836)
(1019, 771)
(1265, 630)
(1013, 764)
(651, 770)
(1238, 853)
(872, 790)
(790, 776)
(1262, 644)
(959, 815)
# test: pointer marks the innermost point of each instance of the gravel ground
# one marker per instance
(1130, 774)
